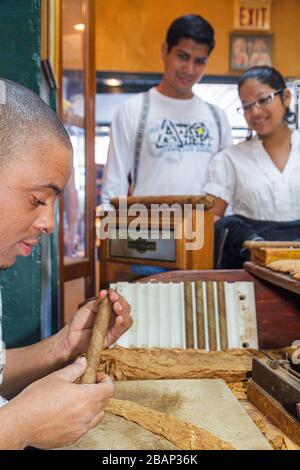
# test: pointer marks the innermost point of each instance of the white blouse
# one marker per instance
(246, 178)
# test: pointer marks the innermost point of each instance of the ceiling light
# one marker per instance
(79, 27)
(113, 82)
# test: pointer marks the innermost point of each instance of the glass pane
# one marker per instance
(226, 97)
(106, 106)
(74, 120)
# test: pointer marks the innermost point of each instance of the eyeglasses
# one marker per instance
(260, 103)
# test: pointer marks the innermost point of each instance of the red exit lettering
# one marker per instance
(253, 17)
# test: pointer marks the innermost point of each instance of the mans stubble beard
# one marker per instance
(3, 267)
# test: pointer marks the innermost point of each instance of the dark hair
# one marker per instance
(273, 78)
(192, 27)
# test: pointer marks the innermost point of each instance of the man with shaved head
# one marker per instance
(46, 408)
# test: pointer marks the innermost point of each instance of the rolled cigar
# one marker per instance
(269, 244)
(99, 332)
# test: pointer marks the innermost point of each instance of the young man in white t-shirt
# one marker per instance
(163, 141)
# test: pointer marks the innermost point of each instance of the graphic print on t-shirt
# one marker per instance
(180, 136)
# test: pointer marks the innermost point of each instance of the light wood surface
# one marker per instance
(270, 244)
(206, 403)
(266, 256)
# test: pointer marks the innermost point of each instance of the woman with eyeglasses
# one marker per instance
(259, 178)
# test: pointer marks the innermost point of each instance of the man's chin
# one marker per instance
(6, 264)
(3, 267)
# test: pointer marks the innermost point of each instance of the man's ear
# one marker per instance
(164, 50)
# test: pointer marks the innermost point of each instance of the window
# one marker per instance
(114, 89)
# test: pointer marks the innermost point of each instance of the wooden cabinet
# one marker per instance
(166, 246)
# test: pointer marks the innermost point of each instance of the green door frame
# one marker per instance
(30, 288)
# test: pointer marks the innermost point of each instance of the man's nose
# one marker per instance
(45, 221)
(190, 67)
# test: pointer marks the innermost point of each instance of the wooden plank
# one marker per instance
(229, 275)
(270, 244)
(222, 316)
(268, 255)
(274, 411)
(188, 309)
(89, 103)
(200, 315)
(76, 269)
(204, 257)
(278, 439)
(282, 280)
(211, 316)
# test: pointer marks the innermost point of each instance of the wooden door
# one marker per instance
(77, 210)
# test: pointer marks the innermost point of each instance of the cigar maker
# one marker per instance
(35, 377)
(167, 318)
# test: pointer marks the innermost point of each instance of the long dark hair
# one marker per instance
(273, 78)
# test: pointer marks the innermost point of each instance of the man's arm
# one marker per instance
(12, 438)
(54, 411)
(26, 365)
(219, 208)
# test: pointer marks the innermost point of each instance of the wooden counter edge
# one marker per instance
(273, 411)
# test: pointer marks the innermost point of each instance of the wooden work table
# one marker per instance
(123, 366)
(233, 366)
(278, 320)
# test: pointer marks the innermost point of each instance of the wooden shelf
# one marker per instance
(278, 279)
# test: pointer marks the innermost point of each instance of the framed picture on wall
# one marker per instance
(248, 50)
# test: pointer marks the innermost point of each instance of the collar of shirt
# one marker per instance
(264, 161)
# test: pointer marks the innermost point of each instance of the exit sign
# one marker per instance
(253, 15)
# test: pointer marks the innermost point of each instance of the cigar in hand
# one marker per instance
(99, 332)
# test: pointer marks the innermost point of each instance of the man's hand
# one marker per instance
(74, 337)
(54, 411)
